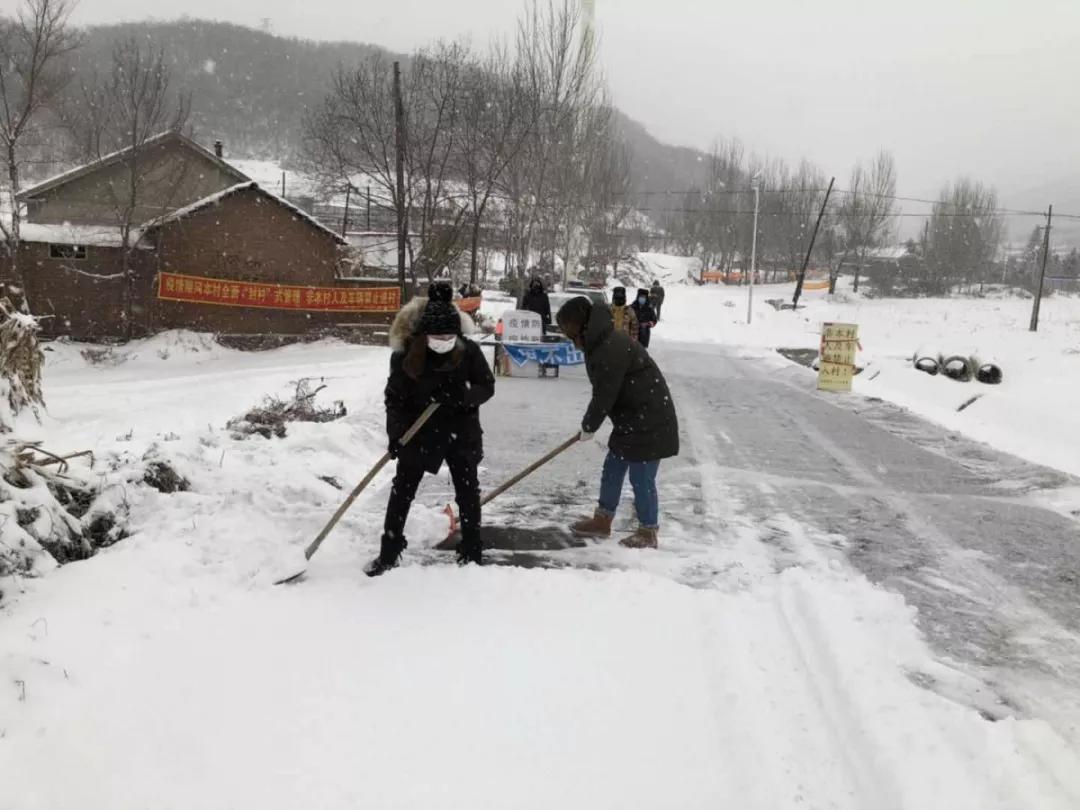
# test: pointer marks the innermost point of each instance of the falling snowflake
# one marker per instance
(209, 66)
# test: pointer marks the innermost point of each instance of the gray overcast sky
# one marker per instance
(986, 87)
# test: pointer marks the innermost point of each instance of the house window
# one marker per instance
(67, 251)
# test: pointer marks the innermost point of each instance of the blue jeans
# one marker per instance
(642, 479)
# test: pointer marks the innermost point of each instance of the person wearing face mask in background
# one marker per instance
(433, 361)
(646, 316)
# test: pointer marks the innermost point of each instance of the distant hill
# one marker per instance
(250, 89)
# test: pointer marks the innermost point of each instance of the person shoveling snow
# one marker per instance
(628, 387)
(432, 361)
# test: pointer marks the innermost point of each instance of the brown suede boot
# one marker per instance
(598, 526)
(642, 538)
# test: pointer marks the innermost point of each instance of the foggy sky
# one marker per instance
(984, 87)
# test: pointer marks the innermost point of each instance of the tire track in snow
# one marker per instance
(1007, 601)
(866, 784)
(863, 748)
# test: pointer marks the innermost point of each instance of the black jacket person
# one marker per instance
(536, 300)
(656, 298)
(629, 389)
(432, 361)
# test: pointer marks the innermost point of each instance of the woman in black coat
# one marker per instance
(536, 300)
(434, 362)
(629, 389)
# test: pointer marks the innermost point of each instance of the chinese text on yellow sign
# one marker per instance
(839, 343)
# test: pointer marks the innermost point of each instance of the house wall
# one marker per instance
(248, 237)
(80, 298)
(173, 176)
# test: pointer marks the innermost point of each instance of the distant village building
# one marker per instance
(207, 249)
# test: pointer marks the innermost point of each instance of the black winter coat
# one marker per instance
(629, 388)
(462, 381)
(537, 301)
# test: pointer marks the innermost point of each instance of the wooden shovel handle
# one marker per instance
(382, 462)
(536, 465)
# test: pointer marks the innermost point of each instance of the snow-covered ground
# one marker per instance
(1034, 413)
(809, 634)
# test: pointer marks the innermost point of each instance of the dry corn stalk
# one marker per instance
(21, 360)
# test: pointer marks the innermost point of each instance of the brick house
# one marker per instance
(196, 216)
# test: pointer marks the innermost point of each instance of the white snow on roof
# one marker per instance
(86, 168)
(198, 205)
(217, 197)
(68, 234)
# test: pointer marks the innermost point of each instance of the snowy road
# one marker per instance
(966, 534)
(785, 476)
(850, 609)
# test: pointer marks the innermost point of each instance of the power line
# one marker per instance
(386, 202)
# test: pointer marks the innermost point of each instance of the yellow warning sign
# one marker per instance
(839, 344)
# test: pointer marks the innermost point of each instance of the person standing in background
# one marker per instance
(656, 298)
(645, 315)
(623, 315)
(536, 300)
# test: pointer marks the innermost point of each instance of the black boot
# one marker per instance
(389, 554)
(380, 565)
(470, 551)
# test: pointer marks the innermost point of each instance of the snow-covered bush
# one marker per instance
(269, 419)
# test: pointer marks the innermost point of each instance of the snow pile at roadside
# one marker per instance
(1034, 413)
(669, 270)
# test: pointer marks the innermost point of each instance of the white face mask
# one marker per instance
(441, 345)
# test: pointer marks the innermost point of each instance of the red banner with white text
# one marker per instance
(222, 292)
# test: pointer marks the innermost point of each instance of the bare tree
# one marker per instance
(726, 175)
(866, 214)
(123, 114)
(794, 206)
(32, 47)
(611, 202)
(559, 57)
(433, 104)
(497, 119)
(352, 134)
(964, 235)
(577, 168)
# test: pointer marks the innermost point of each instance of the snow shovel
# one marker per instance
(309, 552)
(446, 545)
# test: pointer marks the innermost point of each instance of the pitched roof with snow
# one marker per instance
(115, 157)
(214, 199)
(68, 234)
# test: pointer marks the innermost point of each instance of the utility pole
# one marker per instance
(345, 217)
(283, 185)
(1042, 273)
(753, 256)
(369, 208)
(810, 250)
(402, 210)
